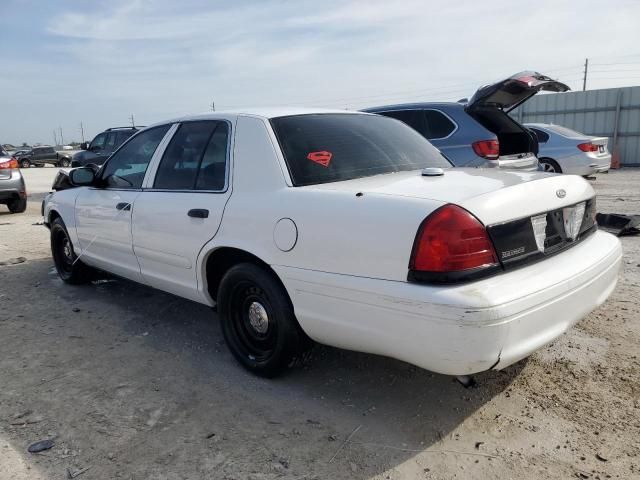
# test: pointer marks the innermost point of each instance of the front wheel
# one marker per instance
(64, 163)
(67, 264)
(258, 322)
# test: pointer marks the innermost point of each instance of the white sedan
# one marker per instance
(346, 228)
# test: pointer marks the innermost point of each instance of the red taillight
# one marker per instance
(588, 147)
(9, 164)
(452, 240)
(489, 149)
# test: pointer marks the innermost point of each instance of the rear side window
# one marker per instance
(414, 118)
(543, 137)
(324, 148)
(438, 125)
(195, 158)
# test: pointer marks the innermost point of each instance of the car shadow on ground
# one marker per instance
(148, 386)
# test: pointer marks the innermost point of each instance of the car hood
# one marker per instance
(493, 195)
(507, 94)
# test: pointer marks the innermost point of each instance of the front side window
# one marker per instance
(195, 158)
(322, 148)
(126, 168)
(98, 142)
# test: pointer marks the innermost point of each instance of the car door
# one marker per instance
(103, 213)
(181, 207)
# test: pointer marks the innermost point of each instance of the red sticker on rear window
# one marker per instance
(323, 158)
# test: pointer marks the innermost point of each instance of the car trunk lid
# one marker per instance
(507, 94)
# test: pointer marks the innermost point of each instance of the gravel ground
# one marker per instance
(133, 383)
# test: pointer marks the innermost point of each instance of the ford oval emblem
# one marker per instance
(561, 193)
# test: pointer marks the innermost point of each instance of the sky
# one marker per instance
(99, 62)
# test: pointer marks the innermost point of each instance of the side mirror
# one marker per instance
(82, 176)
(84, 146)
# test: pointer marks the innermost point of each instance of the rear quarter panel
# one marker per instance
(457, 147)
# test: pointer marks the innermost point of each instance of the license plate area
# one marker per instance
(533, 238)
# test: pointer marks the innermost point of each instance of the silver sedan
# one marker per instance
(563, 150)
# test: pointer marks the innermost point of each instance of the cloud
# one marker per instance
(100, 61)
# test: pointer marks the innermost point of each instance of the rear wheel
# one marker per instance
(17, 205)
(550, 166)
(68, 265)
(258, 322)
(25, 163)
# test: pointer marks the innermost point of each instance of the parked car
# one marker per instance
(13, 192)
(563, 150)
(347, 228)
(480, 133)
(103, 145)
(40, 156)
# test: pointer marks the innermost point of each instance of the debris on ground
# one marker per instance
(76, 473)
(619, 224)
(40, 446)
(13, 261)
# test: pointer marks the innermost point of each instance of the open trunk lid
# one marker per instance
(513, 91)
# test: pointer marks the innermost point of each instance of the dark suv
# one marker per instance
(103, 145)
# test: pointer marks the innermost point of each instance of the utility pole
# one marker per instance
(55, 137)
(82, 131)
(584, 80)
(133, 121)
(213, 106)
(61, 137)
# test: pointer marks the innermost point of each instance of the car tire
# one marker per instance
(17, 205)
(69, 267)
(25, 163)
(258, 321)
(64, 163)
(549, 165)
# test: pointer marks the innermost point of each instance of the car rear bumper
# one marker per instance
(13, 186)
(526, 163)
(585, 164)
(457, 329)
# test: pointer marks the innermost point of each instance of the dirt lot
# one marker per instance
(133, 383)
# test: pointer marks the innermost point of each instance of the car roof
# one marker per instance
(414, 106)
(263, 112)
(539, 125)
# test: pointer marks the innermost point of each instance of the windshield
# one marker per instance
(322, 148)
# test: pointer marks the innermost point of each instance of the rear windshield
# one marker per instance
(324, 148)
(564, 131)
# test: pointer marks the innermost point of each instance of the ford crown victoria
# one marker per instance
(345, 228)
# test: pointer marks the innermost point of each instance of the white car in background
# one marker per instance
(343, 227)
(562, 150)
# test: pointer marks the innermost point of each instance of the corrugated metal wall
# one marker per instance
(612, 112)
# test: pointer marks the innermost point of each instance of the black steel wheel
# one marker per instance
(64, 162)
(68, 265)
(25, 163)
(258, 322)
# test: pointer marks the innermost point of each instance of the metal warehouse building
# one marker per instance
(611, 112)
